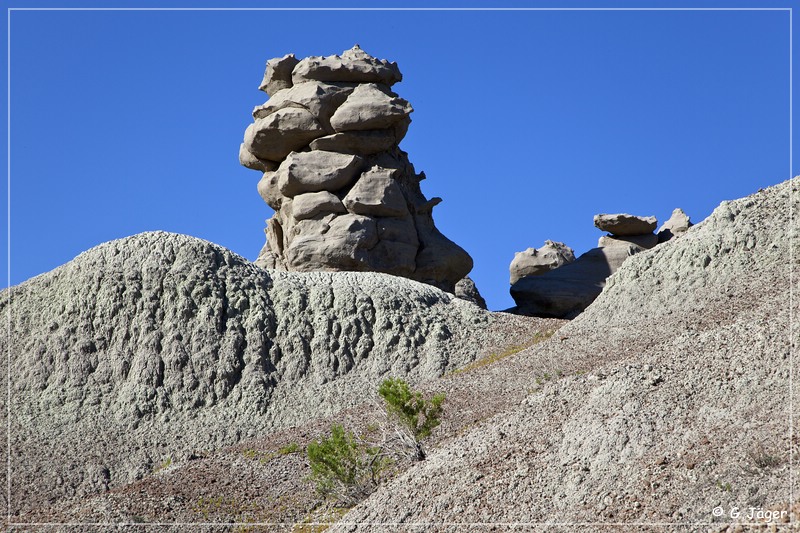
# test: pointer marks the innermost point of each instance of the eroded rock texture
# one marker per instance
(345, 196)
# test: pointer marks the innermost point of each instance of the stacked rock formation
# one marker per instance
(567, 290)
(345, 196)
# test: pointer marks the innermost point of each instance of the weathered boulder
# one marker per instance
(467, 290)
(318, 98)
(376, 193)
(625, 224)
(246, 159)
(566, 291)
(533, 261)
(341, 240)
(354, 65)
(310, 204)
(316, 171)
(278, 74)
(345, 196)
(370, 107)
(677, 225)
(282, 132)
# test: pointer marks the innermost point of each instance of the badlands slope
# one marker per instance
(686, 407)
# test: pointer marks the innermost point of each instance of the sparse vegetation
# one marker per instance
(416, 415)
(349, 467)
(725, 487)
(494, 357)
(346, 467)
(266, 456)
(166, 464)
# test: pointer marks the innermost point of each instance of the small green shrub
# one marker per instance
(416, 414)
(343, 467)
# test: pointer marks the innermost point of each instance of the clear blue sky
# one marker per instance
(526, 123)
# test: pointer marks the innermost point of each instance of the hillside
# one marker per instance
(686, 407)
(159, 346)
(667, 398)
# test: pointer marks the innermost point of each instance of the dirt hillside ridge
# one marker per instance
(148, 349)
(685, 410)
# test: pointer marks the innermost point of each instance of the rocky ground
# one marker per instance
(664, 403)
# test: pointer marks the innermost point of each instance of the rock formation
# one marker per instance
(467, 290)
(537, 261)
(345, 196)
(567, 290)
(677, 225)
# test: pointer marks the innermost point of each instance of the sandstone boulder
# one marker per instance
(320, 99)
(533, 261)
(354, 65)
(248, 160)
(311, 204)
(370, 107)
(282, 132)
(342, 240)
(625, 224)
(316, 171)
(278, 74)
(376, 193)
(467, 290)
(677, 225)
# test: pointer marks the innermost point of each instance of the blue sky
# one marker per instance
(527, 123)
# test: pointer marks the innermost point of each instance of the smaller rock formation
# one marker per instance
(565, 291)
(537, 261)
(677, 225)
(467, 290)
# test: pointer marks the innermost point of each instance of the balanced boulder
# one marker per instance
(566, 290)
(625, 224)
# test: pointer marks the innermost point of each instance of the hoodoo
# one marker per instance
(345, 195)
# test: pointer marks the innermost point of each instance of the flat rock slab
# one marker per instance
(354, 65)
(365, 142)
(625, 224)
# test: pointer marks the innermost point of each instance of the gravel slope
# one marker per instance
(685, 409)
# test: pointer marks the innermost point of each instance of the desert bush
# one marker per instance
(350, 467)
(416, 415)
(345, 467)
